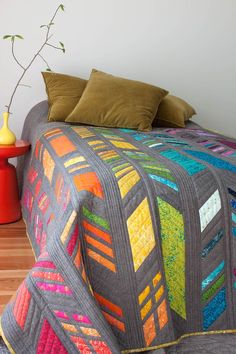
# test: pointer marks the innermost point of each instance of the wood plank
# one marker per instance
(16, 259)
(11, 243)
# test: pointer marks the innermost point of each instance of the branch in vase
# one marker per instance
(38, 53)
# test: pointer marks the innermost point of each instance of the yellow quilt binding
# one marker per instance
(225, 331)
(5, 340)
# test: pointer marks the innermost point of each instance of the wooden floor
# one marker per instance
(16, 258)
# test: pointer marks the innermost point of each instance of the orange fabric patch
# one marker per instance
(99, 347)
(48, 165)
(114, 322)
(89, 182)
(97, 257)
(69, 327)
(21, 305)
(48, 275)
(108, 304)
(99, 233)
(162, 314)
(80, 344)
(100, 246)
(77, 260)
(90, 332)
(149, 330)
(62, 145)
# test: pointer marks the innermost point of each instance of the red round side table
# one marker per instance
(10, 209)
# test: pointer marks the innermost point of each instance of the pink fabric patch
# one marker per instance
(82, 319)
(45, 264)
(73, 240)
(48, 342)
(55, 288)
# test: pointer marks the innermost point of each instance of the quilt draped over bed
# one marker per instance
(134, 235)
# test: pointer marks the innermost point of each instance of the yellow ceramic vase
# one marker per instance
(7, 137)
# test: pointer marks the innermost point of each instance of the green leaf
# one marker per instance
(7, 36)
(48, 69)
(18, 36)
(62, 7)
(51, 23)
(43, 26)
(62, 44)
(63, 49)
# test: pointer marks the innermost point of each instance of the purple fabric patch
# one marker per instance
(231, 144)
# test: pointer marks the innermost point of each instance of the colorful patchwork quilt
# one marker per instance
(134, 236)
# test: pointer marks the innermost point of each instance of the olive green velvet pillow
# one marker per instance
(63, 92)
(112, 101)
(173, 112)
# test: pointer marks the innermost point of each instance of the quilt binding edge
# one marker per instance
(127, 351)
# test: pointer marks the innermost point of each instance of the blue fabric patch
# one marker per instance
(233, 203)
(164, 181)
(215, 161)
(214, 309)
(206, 250)
(234, 231)
(190, 165)
(209, 279)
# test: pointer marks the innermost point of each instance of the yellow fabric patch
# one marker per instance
(143, 295)
(95, 142)
(74, 161)
(141, 233)
(123, 145)
(99, 147)
(159, 293)
(83, 132)
(66, 230)
(156, 279)
(76, 168)
(173, 248)
(127, 182)
(124, 171)
(146, 309)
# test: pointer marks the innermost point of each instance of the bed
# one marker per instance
(134, 236)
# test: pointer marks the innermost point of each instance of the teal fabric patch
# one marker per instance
(234, 217)
(191, 166)
(165, 181)
(209, 279)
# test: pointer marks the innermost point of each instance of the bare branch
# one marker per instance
(44, 60)
(25, 85)
(14, 56)
(53, 46)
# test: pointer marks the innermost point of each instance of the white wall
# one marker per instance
(185, 46)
